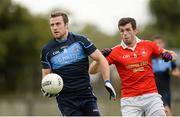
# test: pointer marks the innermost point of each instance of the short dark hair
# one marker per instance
(126, 20)
(59, 13)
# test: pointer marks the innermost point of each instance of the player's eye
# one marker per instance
(58, 23)
(51, 25)
(121, 31)
(127, 29)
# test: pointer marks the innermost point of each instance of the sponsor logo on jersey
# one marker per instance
(56, 52)
(143, 52)
(126, 56)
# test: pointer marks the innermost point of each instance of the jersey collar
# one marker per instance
(61, 41)
(124, 46)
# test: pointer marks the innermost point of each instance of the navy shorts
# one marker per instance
(84, 104)
(166, 98)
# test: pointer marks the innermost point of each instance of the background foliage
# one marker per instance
(166, 15)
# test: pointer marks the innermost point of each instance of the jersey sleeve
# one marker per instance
(173, 65)
(88, 46)
(44, 59)
(110, 58)
(156, 50)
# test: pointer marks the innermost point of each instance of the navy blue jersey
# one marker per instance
(162, 73)
(69, 59)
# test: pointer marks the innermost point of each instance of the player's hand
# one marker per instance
(109, 87)
(106, 51)
(166, 56)
(46, 94)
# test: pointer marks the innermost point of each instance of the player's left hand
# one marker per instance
(110, 89)
(166, 56)
(46, 94)
(106, 51)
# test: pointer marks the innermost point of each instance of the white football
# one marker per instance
(52, 83)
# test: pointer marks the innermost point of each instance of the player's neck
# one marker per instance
(64, 37)
(131, 45)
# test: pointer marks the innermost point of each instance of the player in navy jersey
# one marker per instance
(67, 55)
(162, 72)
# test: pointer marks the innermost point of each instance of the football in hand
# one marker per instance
(52, 83)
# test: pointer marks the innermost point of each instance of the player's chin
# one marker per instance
(127, 41)
(57, 36)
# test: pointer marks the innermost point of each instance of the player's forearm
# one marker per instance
(176, 72)
(100, 64)
(104, 68)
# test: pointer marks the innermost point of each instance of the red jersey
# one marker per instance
(135, 68)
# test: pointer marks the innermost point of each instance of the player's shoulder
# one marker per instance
(146, 42)
(48, 45)
(77, 36)
(116, 48)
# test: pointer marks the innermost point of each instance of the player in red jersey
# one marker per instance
(132, 59)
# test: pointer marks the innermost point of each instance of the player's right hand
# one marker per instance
(110, 89)
(46, 94)
(106, 51)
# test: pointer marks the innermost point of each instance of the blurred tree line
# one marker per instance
(22, 36)
(166, 21)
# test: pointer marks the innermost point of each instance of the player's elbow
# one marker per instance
(91, 71)
(94, 67)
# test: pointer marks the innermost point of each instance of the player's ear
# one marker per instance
(136, 31)
(66, 25)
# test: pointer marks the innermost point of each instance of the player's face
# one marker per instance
(160, 43)
(127, 34)
(58, 28)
